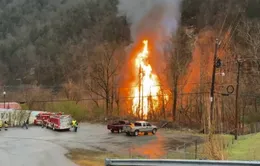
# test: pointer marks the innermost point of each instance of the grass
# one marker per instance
(78, 111)
(24, 107)
(68, 107)
(189, 152)
(246, 148)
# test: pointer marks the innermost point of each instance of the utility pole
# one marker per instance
(175, 93)
(163, 107)
(213, 82)
(139, 89)
(142, 93)
(4, 93)
(237, 90)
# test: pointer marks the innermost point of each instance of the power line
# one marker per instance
(126, 97)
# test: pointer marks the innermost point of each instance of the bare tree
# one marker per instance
(103, 75)
(72, 91)
(178, 54)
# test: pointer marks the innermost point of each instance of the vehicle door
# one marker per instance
(149, 127)
(138, 126)
(144, 127)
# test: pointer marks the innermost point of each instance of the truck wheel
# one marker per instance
(119, 131)
(154, 131)
(53, 128)
(136, 133)
(112, 131)
(127, 134)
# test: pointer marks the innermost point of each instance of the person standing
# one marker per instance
(25, 125)
(75, 125)
(1, 124)
(6, 125)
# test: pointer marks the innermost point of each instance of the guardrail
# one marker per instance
(165, 162)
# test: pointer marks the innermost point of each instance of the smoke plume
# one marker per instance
(151, 18)
(154, 20)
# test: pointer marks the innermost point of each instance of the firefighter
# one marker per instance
(1, 124)
(6, 125)
(25, 125)
(42, 124)
(75, 125)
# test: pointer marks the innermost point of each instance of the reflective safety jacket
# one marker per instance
(74, 123)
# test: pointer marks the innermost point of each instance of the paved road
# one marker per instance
(18, 149)
(44, 147)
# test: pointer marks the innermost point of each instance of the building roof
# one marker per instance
(10, 105)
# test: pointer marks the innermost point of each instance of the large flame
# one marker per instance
(146, 94)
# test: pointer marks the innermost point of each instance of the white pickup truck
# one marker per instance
(138, 127)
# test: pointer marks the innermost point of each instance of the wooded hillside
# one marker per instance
(79, 46)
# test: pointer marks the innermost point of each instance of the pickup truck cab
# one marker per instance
(117, 126)
(140, 126)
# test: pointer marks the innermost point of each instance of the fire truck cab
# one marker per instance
(59, 122)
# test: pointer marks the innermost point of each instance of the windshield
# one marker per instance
(137, 124)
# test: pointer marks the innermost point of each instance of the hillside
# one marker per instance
(81, 47)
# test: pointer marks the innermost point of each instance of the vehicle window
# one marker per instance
(144, 124)
(138, 124)
(148, 124)
(121, 122)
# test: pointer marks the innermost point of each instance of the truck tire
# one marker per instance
(136, 133)
(119, 130)
(127, 134)
(112, 131)
(154, 131)
(53, 128)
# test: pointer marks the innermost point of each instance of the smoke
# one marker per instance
(156, 19)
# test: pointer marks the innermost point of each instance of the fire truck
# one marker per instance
(59, 122)
(42, 118)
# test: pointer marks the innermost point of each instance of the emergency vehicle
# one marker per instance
(42, 118)
(59, 122)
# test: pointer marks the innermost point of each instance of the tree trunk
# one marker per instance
(175, 91)
(163, 106)
(107, 103)
(118, 101)
(112, 96)
(107, 91)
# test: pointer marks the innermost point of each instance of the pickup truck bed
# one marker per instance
(118, 126)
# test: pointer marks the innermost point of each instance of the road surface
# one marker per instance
(44, 147)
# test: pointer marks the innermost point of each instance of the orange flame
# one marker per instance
(146, 94)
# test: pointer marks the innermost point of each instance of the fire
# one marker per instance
(146, 94)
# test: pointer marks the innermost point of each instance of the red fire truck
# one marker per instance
(59, 122)
(42, 118)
